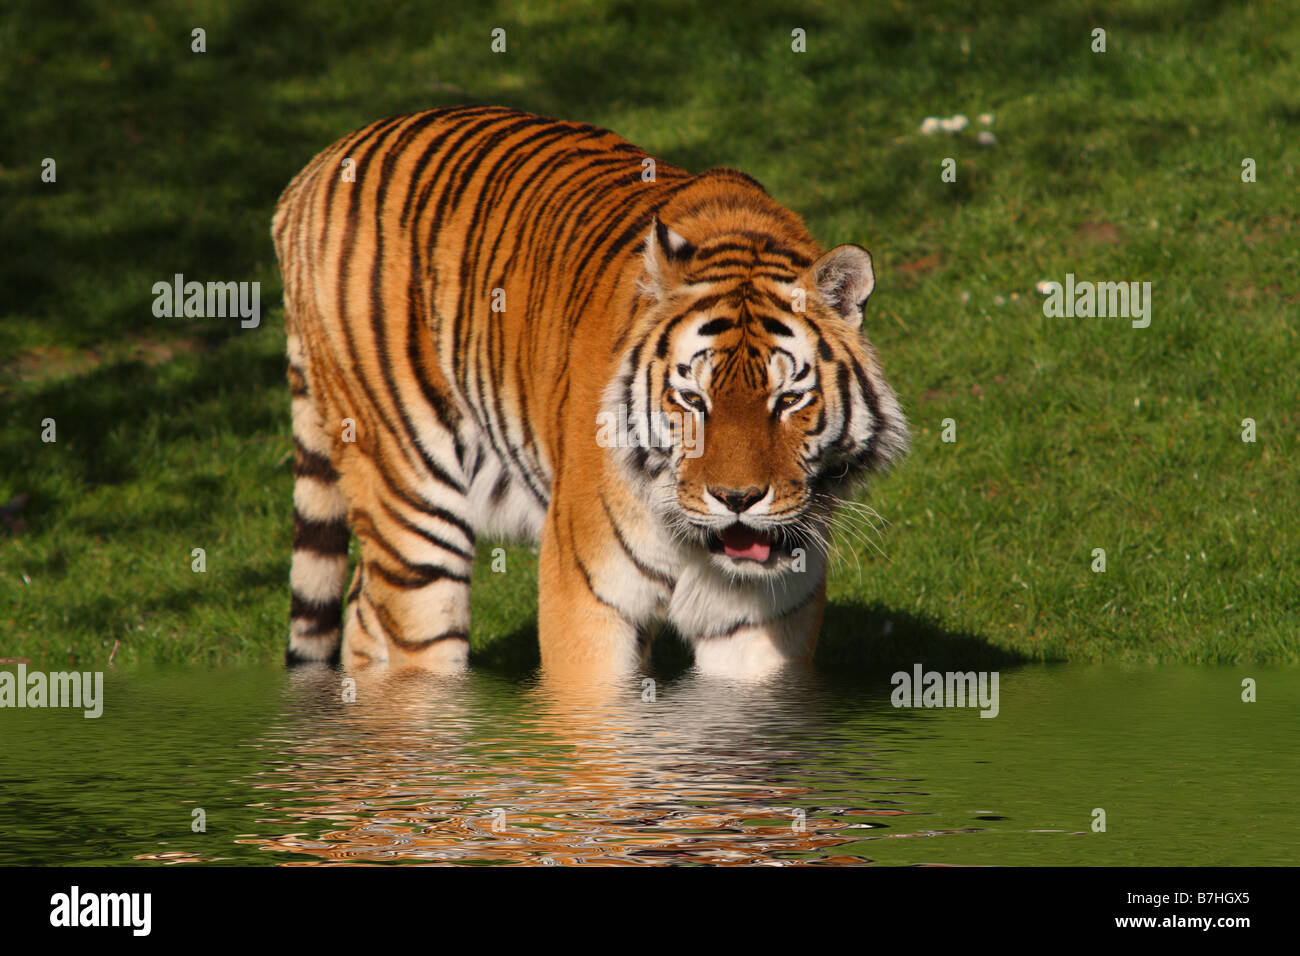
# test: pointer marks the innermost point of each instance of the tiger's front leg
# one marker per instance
(582, 632)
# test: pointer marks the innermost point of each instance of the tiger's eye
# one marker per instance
(693, 399)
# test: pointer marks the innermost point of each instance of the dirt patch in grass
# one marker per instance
(50, 363)
(1104, 233)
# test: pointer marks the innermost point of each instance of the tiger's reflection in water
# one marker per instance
(468, 769)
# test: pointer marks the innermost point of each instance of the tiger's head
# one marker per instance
(763, 403)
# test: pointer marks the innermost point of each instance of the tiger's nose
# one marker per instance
(738, 499)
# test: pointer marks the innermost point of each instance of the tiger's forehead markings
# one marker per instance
(776, 327)
(743, 258)
(755, 247)
(715, 327)
(750, 281)
(751, 340)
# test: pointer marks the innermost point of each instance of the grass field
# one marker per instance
(1071, 433)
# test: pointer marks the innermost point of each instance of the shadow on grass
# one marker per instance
(516, 655)
(872, 638)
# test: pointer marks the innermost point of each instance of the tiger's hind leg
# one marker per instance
(320, 530)
(409, 604)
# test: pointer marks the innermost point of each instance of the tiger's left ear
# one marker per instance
(665, 252)
(845, 279)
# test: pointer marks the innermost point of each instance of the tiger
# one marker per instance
(476, 299)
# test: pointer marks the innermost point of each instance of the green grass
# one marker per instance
(1072, 434)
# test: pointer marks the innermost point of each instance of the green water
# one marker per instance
(489, 770)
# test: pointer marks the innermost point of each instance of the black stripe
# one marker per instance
(443, 406)
(586, 576)
(706, 252)
(873, 406)
(293, 658)
(841, 440)
(500, 488)
(714, 327)
(421, 577)
(764, 296)
(297, 382)
(697, 305)
(427, 508)
(646, 570)
(365, 628)
(726, 268)
(329, 537)
(324, 615)
(365, 527)
(821, 420)
(419, 643)
(309, 464)
(426, 535)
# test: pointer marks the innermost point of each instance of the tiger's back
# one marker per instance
(461, 287)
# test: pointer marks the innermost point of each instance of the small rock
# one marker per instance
(985, 119)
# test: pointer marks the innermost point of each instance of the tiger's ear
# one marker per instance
(845, 279)
(665, 252)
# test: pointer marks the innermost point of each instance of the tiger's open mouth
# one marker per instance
(742, 542)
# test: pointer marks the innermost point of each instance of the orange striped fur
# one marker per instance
(477, 305)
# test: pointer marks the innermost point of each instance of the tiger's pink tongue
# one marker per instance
(741, 542)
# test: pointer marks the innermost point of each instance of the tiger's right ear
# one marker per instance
(665, 253)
